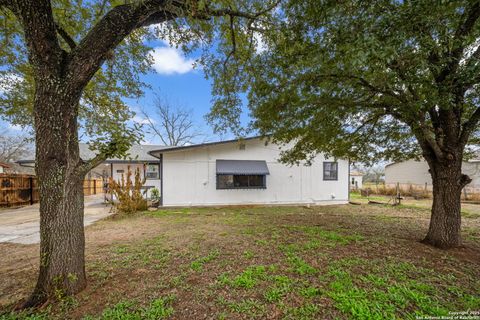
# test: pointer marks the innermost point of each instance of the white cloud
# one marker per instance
(169, 60)
(142, 120)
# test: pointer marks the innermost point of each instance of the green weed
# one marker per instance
(197, 265)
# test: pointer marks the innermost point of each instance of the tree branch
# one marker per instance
(470, 16)
(44, 51)
(469, 127)
(88, 165)
(118, 23)
(66, 37)
(94, 48)
(5, 4)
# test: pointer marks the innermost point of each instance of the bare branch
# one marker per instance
(175, 125)
(13, 147)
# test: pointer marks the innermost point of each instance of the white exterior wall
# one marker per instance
(356, 182)
(133, 166)
(408, 172)
(1, 169)
(189, 178)
(416, 172)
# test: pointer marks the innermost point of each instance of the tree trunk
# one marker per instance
(445, 222)
(62, 241)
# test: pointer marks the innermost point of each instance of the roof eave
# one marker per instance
(180, 148)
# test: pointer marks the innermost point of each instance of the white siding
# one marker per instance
(189, 178)
(133, 166)
(416, 172)
(356, 182)
(408, 172)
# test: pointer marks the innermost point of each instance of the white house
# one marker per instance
(247, 171)
(139, 158)
(230, 172)
(356, 179)
(412, 172)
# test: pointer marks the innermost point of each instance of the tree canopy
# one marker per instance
(103, 113)
(361, 79)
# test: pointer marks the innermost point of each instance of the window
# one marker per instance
(330, 171)
(231, 181)
(152, 171)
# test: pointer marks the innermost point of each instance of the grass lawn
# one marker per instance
(332, 262)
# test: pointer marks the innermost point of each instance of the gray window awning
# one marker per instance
(242, 167)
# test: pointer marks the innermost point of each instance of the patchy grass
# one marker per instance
(335, 262)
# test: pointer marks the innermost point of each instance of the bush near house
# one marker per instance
(127, 194)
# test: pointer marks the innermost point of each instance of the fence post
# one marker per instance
(95, 186)
(31, 191)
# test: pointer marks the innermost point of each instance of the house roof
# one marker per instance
(136, 153)
(356, 173)
(180, 148)
(474, 159)
(242, 167)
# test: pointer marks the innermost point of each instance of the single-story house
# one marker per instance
(4, 167)
(247, 171)
(413, 172)
(356, 179)
(232, 172)
(139, 158)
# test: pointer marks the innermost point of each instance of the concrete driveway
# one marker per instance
(22, 225)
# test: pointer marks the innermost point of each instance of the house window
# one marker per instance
(353, 180)
(231, 181)
(152, 171)
(330, 171)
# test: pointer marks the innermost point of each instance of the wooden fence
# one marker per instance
(18, 190)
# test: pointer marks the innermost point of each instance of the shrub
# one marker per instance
(155, 194)
(127, 193)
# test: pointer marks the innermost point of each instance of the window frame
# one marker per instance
(146, 171)
(325, 178)
(263, 186)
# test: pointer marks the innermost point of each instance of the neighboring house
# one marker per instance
(4, 167)
(139, 158)
(356, 179)
(247, 171)
(412, 172)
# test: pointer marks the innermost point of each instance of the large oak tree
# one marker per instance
(369, 80)
(67, 64)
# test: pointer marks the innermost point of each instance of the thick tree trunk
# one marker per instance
(445, 223)
(62, 241)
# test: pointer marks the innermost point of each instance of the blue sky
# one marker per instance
(174, 79)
